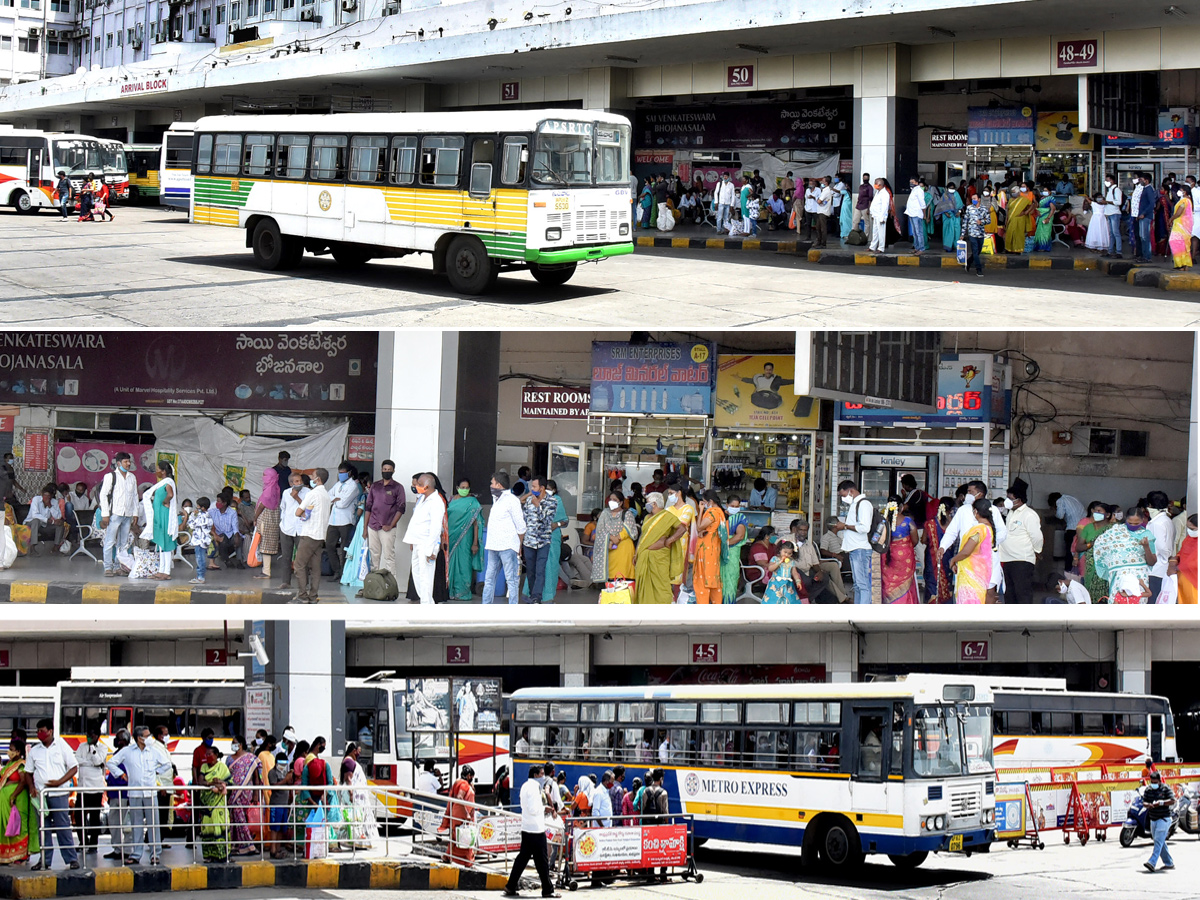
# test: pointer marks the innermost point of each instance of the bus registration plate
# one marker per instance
(955, 843)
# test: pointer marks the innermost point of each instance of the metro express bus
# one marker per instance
(1038, 723)
(840, 770)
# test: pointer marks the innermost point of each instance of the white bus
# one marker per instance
(482, 192)
(22, 707)
(175, 166)
(31, 160)
(839, 770)
(115, 165)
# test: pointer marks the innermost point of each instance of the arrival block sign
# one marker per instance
(600, 849)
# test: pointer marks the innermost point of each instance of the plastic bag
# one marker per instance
(13, 828)
(316, 838)
(253, 560)
(466, 836)
(989, 245)
(685, 596)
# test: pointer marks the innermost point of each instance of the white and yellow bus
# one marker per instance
(175, 166)
(482, 192)
(839, 770)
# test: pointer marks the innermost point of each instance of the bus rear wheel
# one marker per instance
(22, 203)
(350, 256)
(468, 267)
(911, 861)
(840, 847)
(552, 276)
(270, 247)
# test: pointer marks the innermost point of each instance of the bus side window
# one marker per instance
(402, 160)
(1036, 724)
(13, 156)
(514, 161)
(368, 158)
(227, 154)
(896, 765)
(329, 157)
(998, 722)
(292, 156)
(204, 156)
(440, 157)
(256, 158)
(1092, 723)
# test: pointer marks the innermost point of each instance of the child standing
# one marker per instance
(202, 536)
(782, 586)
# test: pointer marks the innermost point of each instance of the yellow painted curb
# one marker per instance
(786, 247)
(101, 593)
(114, 881)
(258, 874)
(645, 242)
(864, 259)
(35, 887)
(442, 878)
(172, 595)
(996, 260)
(1184, 281)
(951, 262)
(189, 878)
(715, 243)
(384, 875)
(814, 256)
(28, 592)
(900, 260)
(680, 243)
(1083, 264)
(496, 882)
(751, 245)
(1039, 263)
(323, 874)
(236, 597)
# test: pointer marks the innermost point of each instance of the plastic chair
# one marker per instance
(1059, 232)
(182, 540)
(86, 533)
(748, 592)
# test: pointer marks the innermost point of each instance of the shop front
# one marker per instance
(1000, 143)
(1063, 154)
(1175, 151)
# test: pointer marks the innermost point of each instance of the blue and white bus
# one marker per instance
(840, 770)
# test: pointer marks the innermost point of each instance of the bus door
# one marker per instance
(479, 204)
(869, 743)
(120, 717)
(1157, 730)
(37, 156)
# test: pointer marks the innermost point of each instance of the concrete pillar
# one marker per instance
(1133, 661)
(840, 652)
(1193, 505)
(308, 669)
(576, 664)
(885, 114)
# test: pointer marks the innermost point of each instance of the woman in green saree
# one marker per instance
(731, 569)
(15, 794)
(554, 560)
(1085, 537)
(463, 517)
(660, 553)
(211, 809)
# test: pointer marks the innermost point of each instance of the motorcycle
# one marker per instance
(1188, 812)
(1137, 821)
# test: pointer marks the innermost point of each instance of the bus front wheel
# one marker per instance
(468, 267)
(22, 203)
(552, 276)
(911, 861)
(840, 847)
(270, 247)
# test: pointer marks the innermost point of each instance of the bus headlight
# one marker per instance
(554, 234)
(939, 822)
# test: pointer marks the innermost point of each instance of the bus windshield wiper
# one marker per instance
(561, 179)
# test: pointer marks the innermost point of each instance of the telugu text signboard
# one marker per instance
(601, 849)
(1001, 126)
(665, 379)
(798, 124)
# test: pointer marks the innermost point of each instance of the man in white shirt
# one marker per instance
(1114, 197)
(82, 503)
(118, 511)
(1021, 547)
(1072, 590)
(428, 780)
(824, 211)
(1163, 529)
(424, 535)
(723, 196)
(344, 497)
(90, 757)
(964, 521)
(1070, 510)
(50, 763)
(811, 191)
(314, 513)
(879, 210)
(522, 746)
(855, 534)
(664, 750)
(144, 764)
(44, 520)
(290, 525)
(914, 211)
(533, 837)
(505, 535)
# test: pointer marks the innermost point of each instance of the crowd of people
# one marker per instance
(259, 799)
(92, 199)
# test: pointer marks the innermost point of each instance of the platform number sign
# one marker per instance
(739, 76)
(510, 91)
(704, 653)
(1077, 54)
(973, 651)
(458, 654)
(216, 656)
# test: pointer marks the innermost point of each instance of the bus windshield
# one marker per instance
(977, 738)
(77, 156)
(937, 742)
(114, 159)
(563, 153)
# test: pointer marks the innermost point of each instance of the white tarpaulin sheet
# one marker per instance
(205, 447)
(814, 165)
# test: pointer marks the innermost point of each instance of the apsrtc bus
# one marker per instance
(23, 707)
(175, 166)
(30, 161)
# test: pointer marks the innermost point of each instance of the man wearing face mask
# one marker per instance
(118, 511)
(540, 512)
(143, 765)
(314, 513)
(1114, 198)
(1163, 531)
(977, 218)
(914, 212)
(385, 505)
(424, 536)
(855, 534)
(964, 521)
(200, 754)
(344, 495)
(90, 757)
(1020, 549)
(50, 763)
(505, 537)
(1141, 207)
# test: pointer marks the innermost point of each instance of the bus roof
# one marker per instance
(921, 688)
(182, 126)
(466, 122)
(28, 692)
(156, 674)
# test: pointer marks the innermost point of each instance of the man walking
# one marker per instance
(914, 211)
(424, 535)
(385, 505)
(540, 511)
(533, 837)
(862, 206)
(505, 535)
(64, 195)
(142, 766)
(1158, 799)
(855, 534)
(50, 763)
(118, 511)
(314, 512)
(977, 217)
(1020, 549)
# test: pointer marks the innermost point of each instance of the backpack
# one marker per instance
(856, 238)
(380, 585)
(880, 533)
(654, 801)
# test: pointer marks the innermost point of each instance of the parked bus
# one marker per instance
(1038, 723)
(378, 717)
(22, 707)
(483, 192)
(144, 160)
(187, 699)
(115, 166)
(839, 770)
(30, 161)
(175, 166)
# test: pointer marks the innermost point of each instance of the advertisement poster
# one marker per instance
(972, 387)
(1001, 126)
(499, 834)
(429, 704)
(37, 451)
(90, 461)
(1010, 811)
(477, 704)
(259, 699)
(170, 458)
(797, 124)
(750, 395)
(665, 379)
(598, 849)
(235, 477)
(1058, 132)
(255, 370)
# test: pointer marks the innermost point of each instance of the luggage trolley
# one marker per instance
(628, 846)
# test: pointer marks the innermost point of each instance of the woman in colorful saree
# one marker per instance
(1185, 563)
(1099, 520)
(952, 221)
(612, 546)
(1017, 222)
(1043, 235)
(713, 538)
(242, 766)
(460, 813)
(1123, 557)
(938, 587)
(466, 551)
(658, 552)
(973, 562)
(731, 569)
(1180, 240)
(900, 561)
(210, 807)
(14, 794)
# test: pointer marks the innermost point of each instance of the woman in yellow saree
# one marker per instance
(973, 562)
(658, 550)
(1180, 240)
(1017, 222)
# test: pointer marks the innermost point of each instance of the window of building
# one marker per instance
(129, 35)
(235, 12)
(108, 41)
(306, 2)
(7, 3)
(27, 45)
(31, 4)
(96, 44)
(5, 42)
(221, 14)
(251, 8)
(57, 48)
(289, 4)
(268, 6)
(191, 21)
(63, 6)
(206, 17)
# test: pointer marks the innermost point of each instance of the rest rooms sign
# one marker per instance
(545, 402)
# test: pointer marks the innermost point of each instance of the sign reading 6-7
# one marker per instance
(739, 76)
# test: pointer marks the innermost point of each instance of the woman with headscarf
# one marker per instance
(459, 814)
(441, 593)
(731, 569)
(663, 540)
(464, 516)
(1123, 556)
(613, 541)
(973, 562)
(1098, 521)
(266, 520)
(162, 519)
(711, 544)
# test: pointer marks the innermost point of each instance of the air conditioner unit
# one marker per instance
(177, 34)
(202, 31)
(349, 5)
(391, 9)
(159, 37)
(308, 15)
(35, 32)
(135, 43)
(1092, 440)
